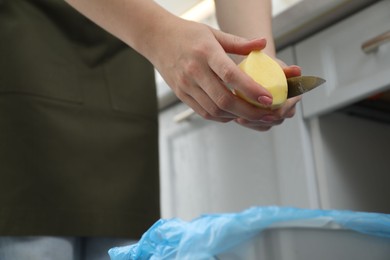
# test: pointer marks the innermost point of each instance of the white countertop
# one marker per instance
(309, 16)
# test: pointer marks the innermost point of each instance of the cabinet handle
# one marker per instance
(374, 43)
(184, 115)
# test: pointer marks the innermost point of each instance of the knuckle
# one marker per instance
(224, 102)
(236, 40)
(182, 82)
(206, 115)
(290, 113)
(215, 111)
(227, 74)
(192, 68)
(180, 95)
(278, 122)
(200, 50)
(178, 81)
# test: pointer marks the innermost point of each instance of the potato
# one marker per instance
(269, 74)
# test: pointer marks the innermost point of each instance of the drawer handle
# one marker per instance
(184, 115)
(374, 43)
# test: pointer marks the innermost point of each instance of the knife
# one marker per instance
(296, 86)
(302, 84)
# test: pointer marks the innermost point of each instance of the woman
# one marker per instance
(78, 114)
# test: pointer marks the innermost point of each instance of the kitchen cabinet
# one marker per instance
(351, 153)
(336, 54)
(352, 162)
(204, 167)
(213, 167)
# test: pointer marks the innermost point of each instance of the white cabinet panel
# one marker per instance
(352, 156)
(336, 55)
(212, 167)
(294, 156)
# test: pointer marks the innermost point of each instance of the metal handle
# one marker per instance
(374, 43)
(182, 116)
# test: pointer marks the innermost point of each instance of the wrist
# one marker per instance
(155, 32)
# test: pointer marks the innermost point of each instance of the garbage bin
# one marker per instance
(266, 233)
(309, 243)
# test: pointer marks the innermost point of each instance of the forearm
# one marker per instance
(249, 19)
(135, 22)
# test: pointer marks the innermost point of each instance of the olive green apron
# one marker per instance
(78, 127)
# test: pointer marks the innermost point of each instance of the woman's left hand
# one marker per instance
(276, 117)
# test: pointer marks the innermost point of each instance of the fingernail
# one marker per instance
(295, 66)
(267, 101)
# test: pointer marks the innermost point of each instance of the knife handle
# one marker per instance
(374, 43)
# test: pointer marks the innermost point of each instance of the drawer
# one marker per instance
(336, 55)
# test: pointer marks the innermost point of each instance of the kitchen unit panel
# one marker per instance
(350, 145)
(336, 54)
(212, 167)
(352, 158)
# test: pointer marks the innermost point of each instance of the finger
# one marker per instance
(225, 100)
(209, 105)
(214, 90)
(288, 109)
(237, 45)
(260, 122)
(292, 71)
(229, 73)
(261, 128)
(292, 102)
(290, 113)
(207, 90)
(194, 105)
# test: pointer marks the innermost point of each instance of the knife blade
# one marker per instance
(302, 84)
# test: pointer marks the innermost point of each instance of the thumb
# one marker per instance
(292, 71)
(237, 45)
(229, 72)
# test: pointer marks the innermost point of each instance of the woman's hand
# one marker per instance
(276, 117)
(193, 60)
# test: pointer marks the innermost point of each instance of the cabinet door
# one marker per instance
(294, 162)
(336, 55)
(213, 167)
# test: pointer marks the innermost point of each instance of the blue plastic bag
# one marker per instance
(212, 234)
